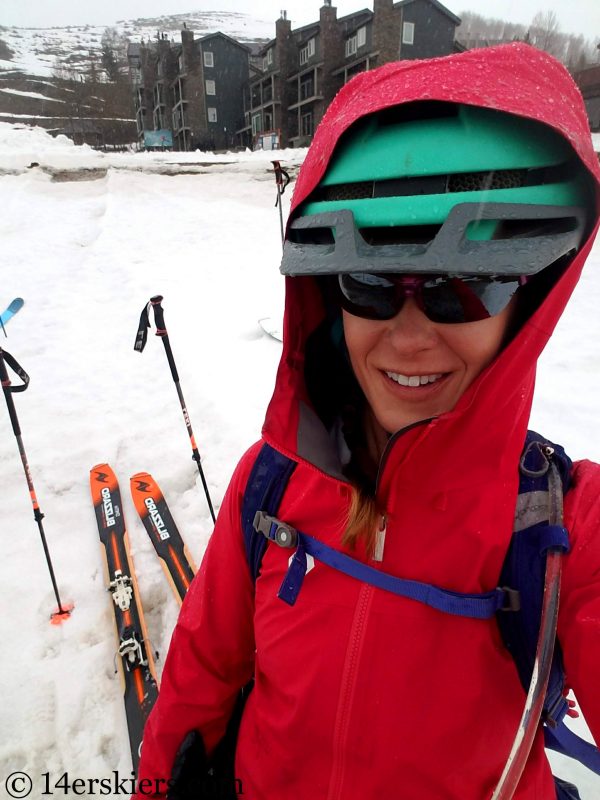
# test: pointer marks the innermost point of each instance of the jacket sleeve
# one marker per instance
(211, 655)
(579, 617)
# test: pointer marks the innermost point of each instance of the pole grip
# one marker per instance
(159, 316)
(161, 330)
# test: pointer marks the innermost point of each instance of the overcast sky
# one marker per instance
(575, 16)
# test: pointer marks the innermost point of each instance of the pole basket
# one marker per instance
(62, 614)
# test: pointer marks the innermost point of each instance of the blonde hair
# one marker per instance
(364, 519)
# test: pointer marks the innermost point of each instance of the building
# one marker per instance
(588, 81)
(192, 90)
(213, 92)
(303, 69)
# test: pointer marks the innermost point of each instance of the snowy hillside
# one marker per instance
(35, 50)
(86, 240)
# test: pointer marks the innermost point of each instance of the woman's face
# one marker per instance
(411, 369)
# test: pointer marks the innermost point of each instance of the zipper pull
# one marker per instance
(380, 540)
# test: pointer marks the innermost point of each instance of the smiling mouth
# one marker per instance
(415, 380)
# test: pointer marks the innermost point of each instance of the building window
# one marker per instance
(307, 124)
(178, 118)
(212, 114)
(210, 87)
(307, 86)
(209, 60)
(159, 97)
(351, 46)
(268, 59)
(160, 68)
(361, 37)
(408, 33)
(308, 51)
(256, 124)
(181, 63)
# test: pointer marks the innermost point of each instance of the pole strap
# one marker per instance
(141, 336)
(17, 369)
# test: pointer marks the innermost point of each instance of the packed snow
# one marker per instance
(86, 254)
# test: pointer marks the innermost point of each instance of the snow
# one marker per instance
(35, 95)
(37, 50)
(86, 255)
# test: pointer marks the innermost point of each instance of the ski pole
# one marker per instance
(140, 343)
(5, 358)
(282, 179)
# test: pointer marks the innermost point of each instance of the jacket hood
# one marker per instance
(483, 435)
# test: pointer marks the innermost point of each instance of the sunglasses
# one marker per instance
(442, 298)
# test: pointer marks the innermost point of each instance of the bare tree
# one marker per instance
(545, 34)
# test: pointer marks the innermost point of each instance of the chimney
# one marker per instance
(283, 26)
(327, 13)
(382, 5)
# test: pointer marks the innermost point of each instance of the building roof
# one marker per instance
(220, 35)
(306, 32)
(456, 20)
(353, 22)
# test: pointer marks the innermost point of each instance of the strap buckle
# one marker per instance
(276, 531)
(512, 599)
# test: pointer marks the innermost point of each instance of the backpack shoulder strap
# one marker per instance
(267, 483)
(524, 566)
(523, 571)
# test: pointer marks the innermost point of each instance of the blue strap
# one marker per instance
(568, 743)
(266, 485)
(475, 606)
(553, 537)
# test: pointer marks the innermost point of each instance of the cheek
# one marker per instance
(478, 343)
(360, 335)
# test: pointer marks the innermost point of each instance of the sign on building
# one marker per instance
(160, 139)
(267, 140)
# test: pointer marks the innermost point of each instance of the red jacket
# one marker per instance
(360, 694)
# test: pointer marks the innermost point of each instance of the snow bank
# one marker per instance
(20, 145)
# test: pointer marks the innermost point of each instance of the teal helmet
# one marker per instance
(442, 188)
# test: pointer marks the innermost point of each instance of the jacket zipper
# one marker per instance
(347, 691)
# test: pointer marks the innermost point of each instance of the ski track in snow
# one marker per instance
(86, 256)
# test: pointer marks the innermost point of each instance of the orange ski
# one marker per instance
(138, 671)
(158, 521)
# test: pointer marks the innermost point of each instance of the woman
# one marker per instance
(403, 394)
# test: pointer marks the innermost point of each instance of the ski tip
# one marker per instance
(61, 614)
(141, 476)
(101, 477)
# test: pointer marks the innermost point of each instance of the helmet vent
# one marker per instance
(443, 184)
(481, 181)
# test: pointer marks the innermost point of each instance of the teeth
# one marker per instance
(413, 380)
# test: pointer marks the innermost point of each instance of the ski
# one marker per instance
(158, 521)
(10, 310)
(140, 686)
(271, 327)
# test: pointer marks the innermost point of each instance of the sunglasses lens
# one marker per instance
(370, 296)
(443, 299)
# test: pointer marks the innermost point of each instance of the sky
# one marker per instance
(576, 16)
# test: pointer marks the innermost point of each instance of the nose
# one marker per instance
(410, 330)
